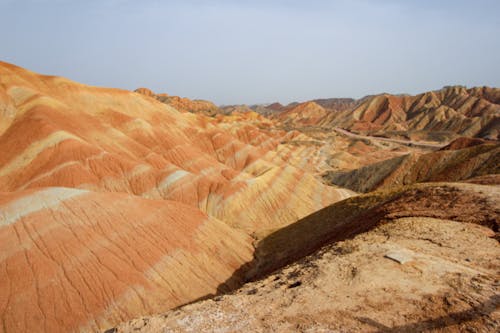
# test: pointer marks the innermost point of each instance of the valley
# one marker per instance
(136, 211)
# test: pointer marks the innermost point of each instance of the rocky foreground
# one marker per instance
(410, 275)
(418, 268)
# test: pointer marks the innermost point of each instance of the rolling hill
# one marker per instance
(106, 192)
(116, 205)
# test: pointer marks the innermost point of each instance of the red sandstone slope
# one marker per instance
(451, 110)
(439, 115)
(114, 204)
(277, 106)
(80, 260)
(72, 135)
(302, 114)
(182, 103)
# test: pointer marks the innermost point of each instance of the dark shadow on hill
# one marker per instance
(463, 159)
(452, 319)
(350, 217)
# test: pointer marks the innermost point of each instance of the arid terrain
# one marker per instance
(356, 286)
(137, 211)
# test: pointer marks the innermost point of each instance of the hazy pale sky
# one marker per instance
(257, 51)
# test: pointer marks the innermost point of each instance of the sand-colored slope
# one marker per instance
(353, 287)
(454, 163)
(451, 201)
(336, 104)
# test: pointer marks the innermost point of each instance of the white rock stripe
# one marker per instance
(43, 199)
(24, 158)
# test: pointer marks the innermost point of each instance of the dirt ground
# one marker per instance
(413, 274)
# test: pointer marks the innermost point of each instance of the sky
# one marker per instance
(233, 52)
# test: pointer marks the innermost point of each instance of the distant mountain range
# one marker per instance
(436, 115)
